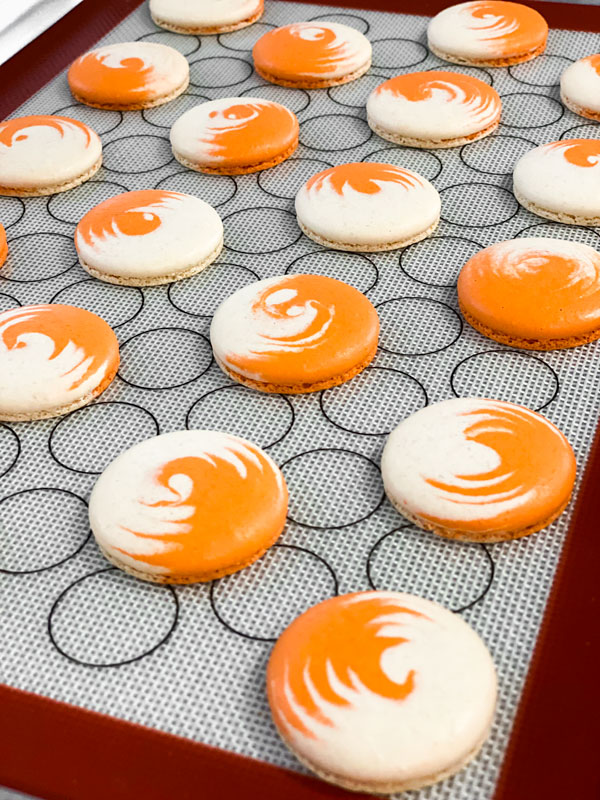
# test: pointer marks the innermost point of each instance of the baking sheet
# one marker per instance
(190, 660)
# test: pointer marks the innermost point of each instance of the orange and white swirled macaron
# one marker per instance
(234, 135)
(580, 87)
(381, 692)
(205, 16)
(538, 294)
(42, 155)
(3, 245)
(53, 359)
(488, 33)
(478, 470)
(561, 181)
(148, 237)
(295, 334)
(312, 55)
(367, 206)
(188, 506)
(433, 109)
(129, 75)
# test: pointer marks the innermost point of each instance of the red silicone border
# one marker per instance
(63, 752)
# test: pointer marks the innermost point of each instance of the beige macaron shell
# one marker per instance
(204, 14)
(580, 87)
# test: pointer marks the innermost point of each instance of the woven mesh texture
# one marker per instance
(191, 660)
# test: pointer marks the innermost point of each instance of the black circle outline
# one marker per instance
(401, 39)
(244, 49)
(196, 174)
(482, 183)
(79, 105)
(20, 217)
(349, 84)
(94, 281)
(430, 300)
(190, 35)
(336, 253)
(539, 85)
(50, 277)
(87, 183)
(288, 161)
(523, 353)
(429, 239)
(335, 450)
(335, 14)
(137, 136)
(420, 152)
(184, 94)
(66, 558)
(372, 368)
(222, 85)
(296, 91)
(178, 385)
(18, 453)
(174, 284)
(263, 252)
(337, 149)
(533, 94)
(448, 67)
(74, 660)
(239, 386)
(249, 636)
(402, 526)
(18, 303)
(588, 124)
(548, 222)
(487, 140)
(85, 408)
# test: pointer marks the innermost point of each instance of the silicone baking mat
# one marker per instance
(191, 660)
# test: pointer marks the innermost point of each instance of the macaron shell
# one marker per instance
(205, 16)
(295, 331)
(367, 206)
(188, 506)
(478, 469)
(54, 358)
(381, 691)
(128, 75)
(320, 51)
(580, 87)
(148, 236)
(561, 181)
(434, 106)
(489, 32)
(533, 292)
(234, 134)
(3, 245)
(46, 154)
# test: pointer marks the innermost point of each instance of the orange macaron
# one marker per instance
(188, 506)
(3, 245)
(537, 294)
(295, 334)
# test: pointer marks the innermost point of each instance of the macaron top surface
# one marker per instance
(580, 83)
(52, 356)
(204, 13)
(234, 132)
(381, 687)
(311, 50)
(487, 29)
(3, 245)
(534, 288)
(367, 203)
(150, 232)
(40, 151)
(189, 503)
(562, 176)
(127, 73)
(294, 330)
(478, 465)
(434, 104)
